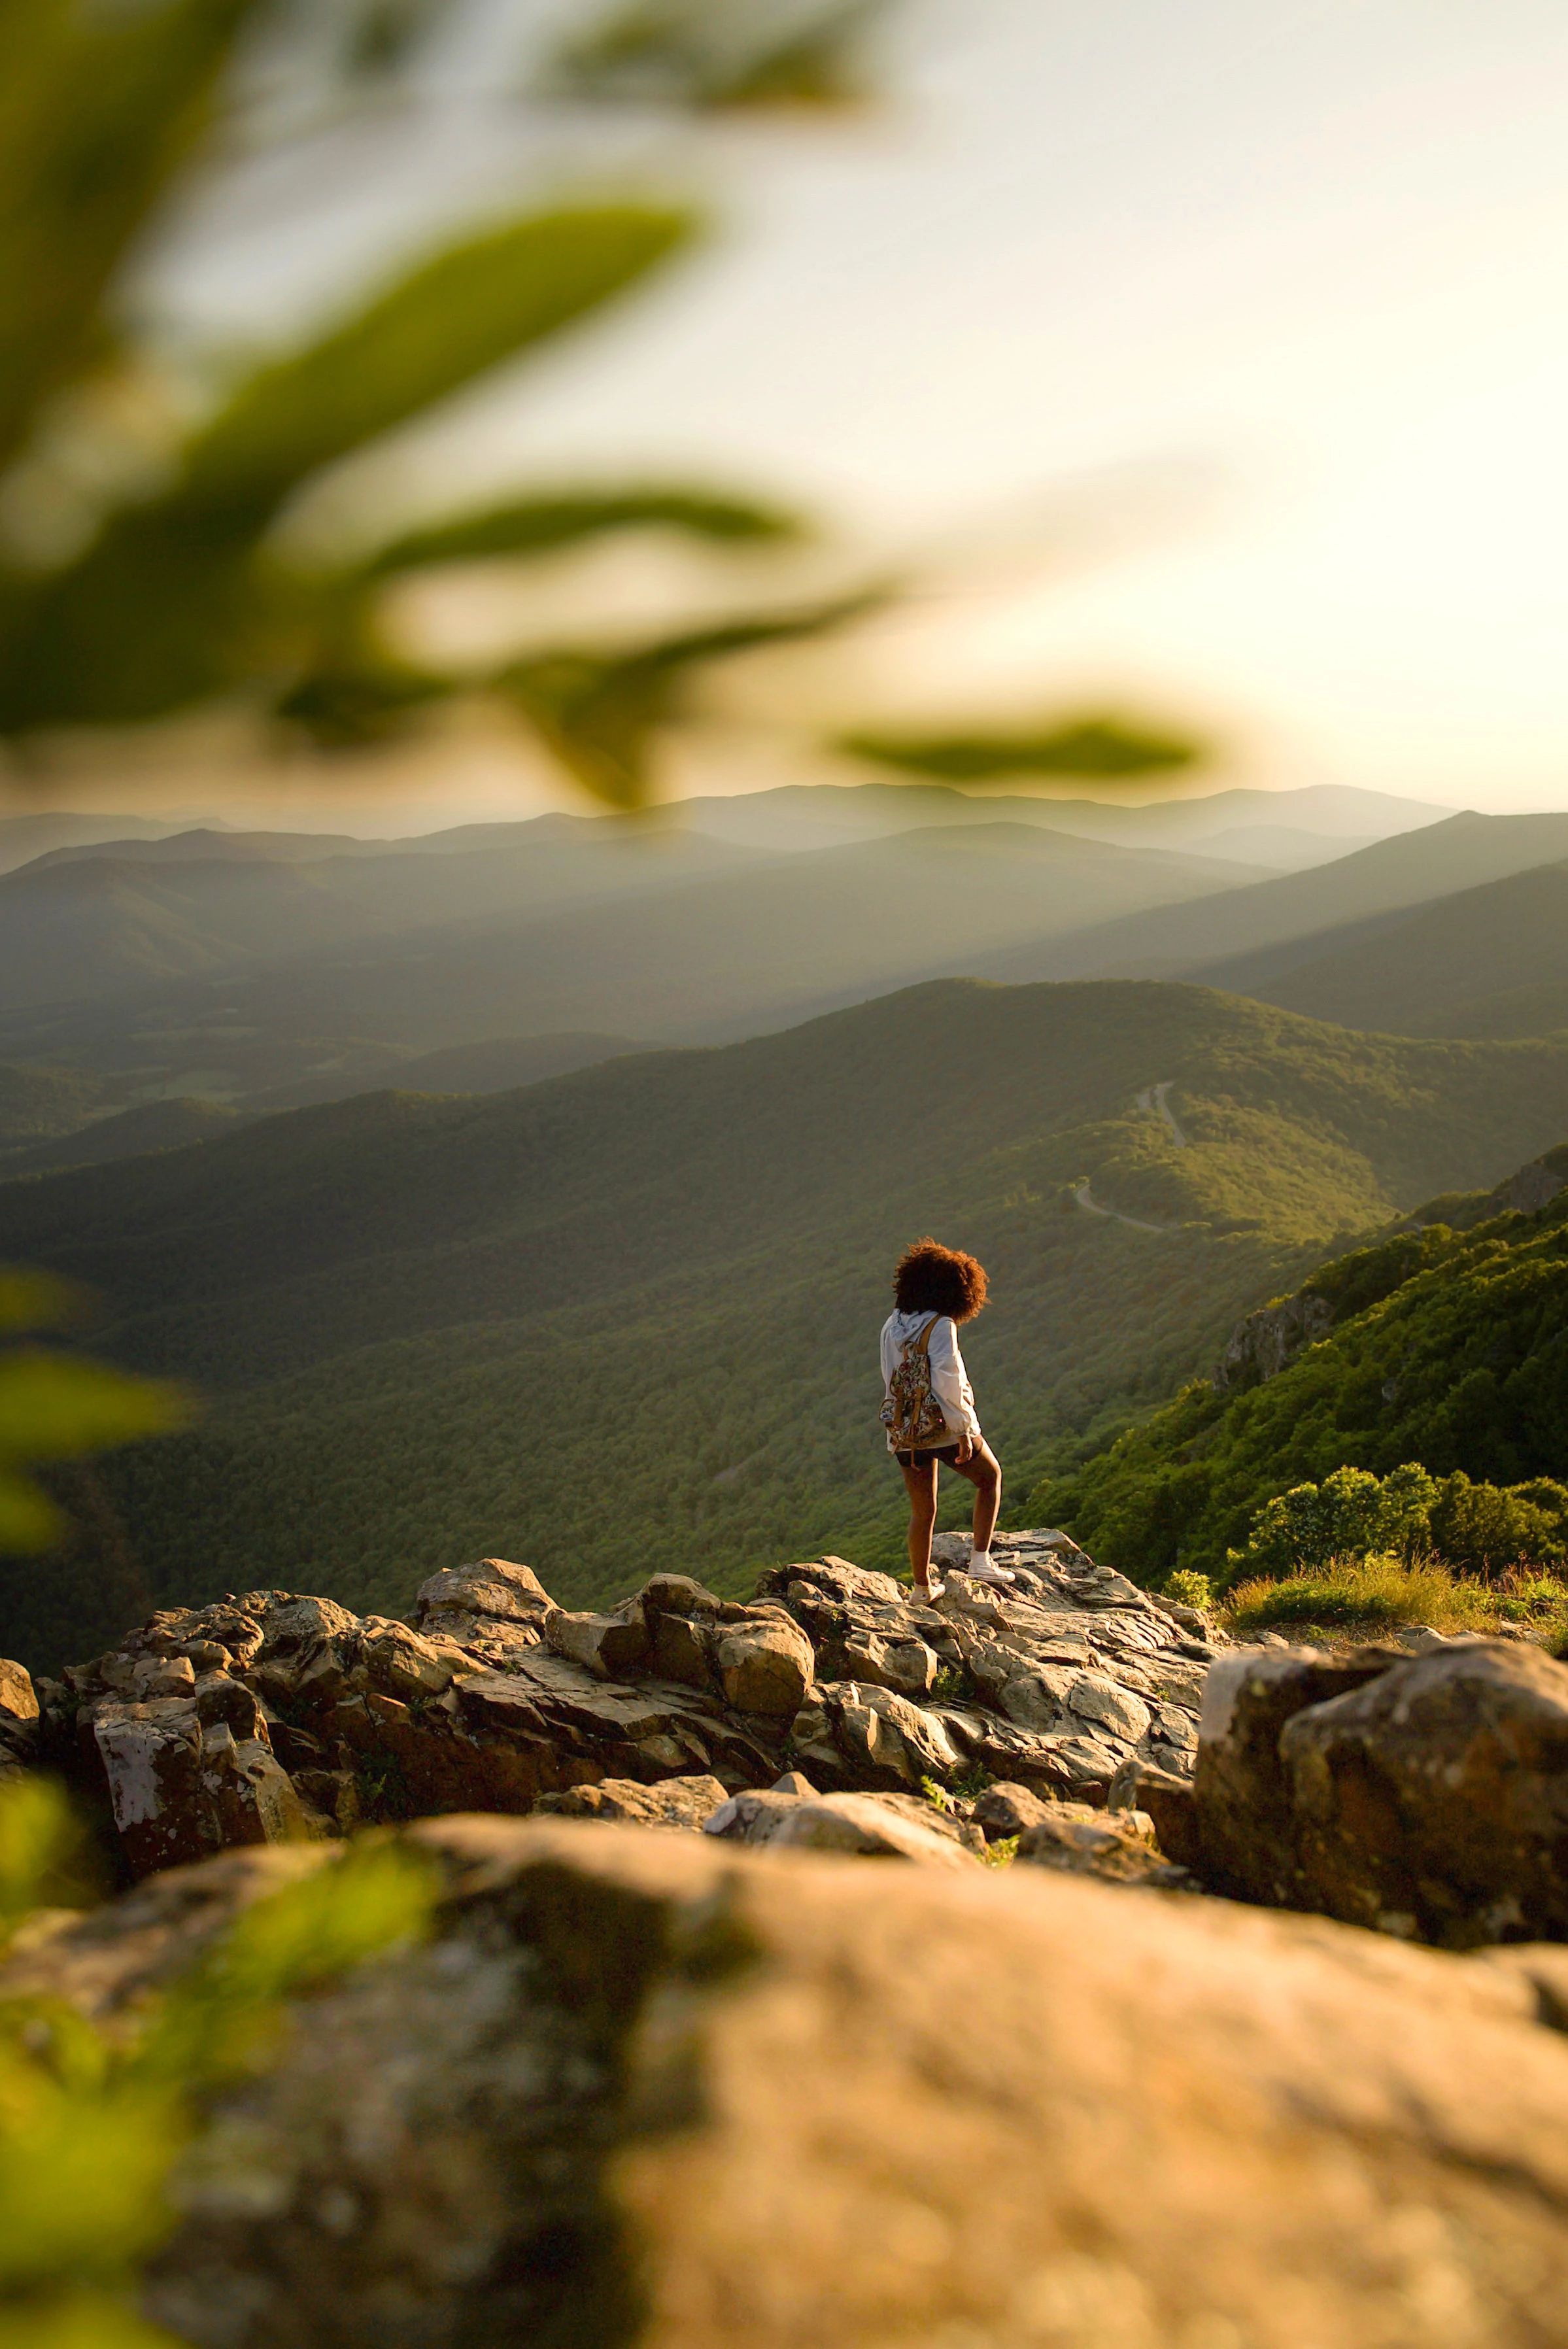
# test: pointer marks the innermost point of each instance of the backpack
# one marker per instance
(912, 1415)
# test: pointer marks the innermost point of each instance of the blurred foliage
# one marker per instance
(92, 2127)
(57, 1406)
(42, 1848)
(1104, 749)
(170, 584)
(99, 109)
(599, 714)
(540, 526)
(746, 53)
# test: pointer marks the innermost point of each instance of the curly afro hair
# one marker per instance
(930, 1279)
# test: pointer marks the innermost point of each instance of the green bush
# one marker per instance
(91, 2127)
(1486, 1527)
(1350, 1514)
(1478, 1529)
(1189, 1589)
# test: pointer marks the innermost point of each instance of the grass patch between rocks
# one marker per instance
(1387, 1593)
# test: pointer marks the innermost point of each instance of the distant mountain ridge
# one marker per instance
(1486, 961)
(240, 979)
(821, 815)
(1253, 937)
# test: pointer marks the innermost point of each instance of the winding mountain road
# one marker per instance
(1154, 1100)
(1082, 1198)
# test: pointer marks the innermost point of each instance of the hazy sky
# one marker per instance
(1269, 299)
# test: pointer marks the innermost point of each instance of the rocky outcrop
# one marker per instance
(1259, 1347)
(1425, 1795)
(18, 1720)
(661, 2090)
(271, 1716)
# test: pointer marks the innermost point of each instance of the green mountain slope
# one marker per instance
(128, 1133)
(1262, 933)
(36, 1104)
(1491, 961)
(1446, 1346)
(627, 1317)
(497, 1065)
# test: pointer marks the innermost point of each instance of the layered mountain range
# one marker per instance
(262, 970)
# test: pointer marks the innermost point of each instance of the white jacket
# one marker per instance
(949, 1379)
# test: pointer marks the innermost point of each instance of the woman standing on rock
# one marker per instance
(929, 1406)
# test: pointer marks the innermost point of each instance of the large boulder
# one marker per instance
(655, 2090)
(1432, 1801)
(1116, 1846)
(1245, 1825)
(765, 1664)
(609, 1646)
(1422, 1795)
(684, 1803)
(795, 1817)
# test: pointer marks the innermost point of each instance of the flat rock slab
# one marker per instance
(657, 2090)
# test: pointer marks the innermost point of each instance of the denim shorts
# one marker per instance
(946, 1452)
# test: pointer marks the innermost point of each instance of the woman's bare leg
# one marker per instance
(921, 1484)
(983, 1471)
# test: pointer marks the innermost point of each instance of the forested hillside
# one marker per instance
(1446, 1345)
(626, 1318)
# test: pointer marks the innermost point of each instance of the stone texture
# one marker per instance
(609, 1646)
(874, 1826)
(1432, 1801)
(1169, 1803)
(687, 1802)
(1118, 1847)
(1259, 1348)
(766, 1665)
(1004, 1810)
(19, 1720)
(657, 2089)
(1244, 1822)
(497, 1699)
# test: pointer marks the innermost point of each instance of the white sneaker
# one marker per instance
(934, 1590)
(986, 1569)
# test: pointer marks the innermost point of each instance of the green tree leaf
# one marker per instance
(170, 604)
(599, 713)
(98, 108)
(457, 313)
(58, 1407)
(539, 525)
(748, 53)
(1107, 750)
